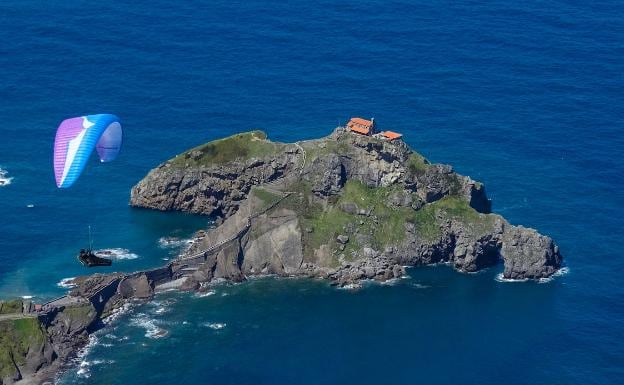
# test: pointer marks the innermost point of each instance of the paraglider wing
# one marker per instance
(75, 140)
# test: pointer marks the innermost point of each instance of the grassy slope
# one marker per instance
(247, 145)
(265, 196)
(11, 306)
(327, 222)
(16, 337)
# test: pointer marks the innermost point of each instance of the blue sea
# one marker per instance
(527, 97)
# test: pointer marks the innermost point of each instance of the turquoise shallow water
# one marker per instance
(523, 97)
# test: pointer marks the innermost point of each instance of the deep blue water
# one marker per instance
(523, 96)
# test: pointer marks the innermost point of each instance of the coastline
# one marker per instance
(261, 233)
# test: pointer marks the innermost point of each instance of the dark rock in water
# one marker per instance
(528, 254)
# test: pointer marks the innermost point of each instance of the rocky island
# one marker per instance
(346, 208)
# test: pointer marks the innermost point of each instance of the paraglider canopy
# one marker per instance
(75, 140)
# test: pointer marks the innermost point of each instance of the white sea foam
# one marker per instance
(67, 283)
(27, 296)
(214, 325)
(116, 253)
(206, 294)
(160, 310)
(561, 272)
(152, 330)
(83, 367)
(4, 179)
(351, 286)
(390, 282)
(501, 278)
(174, 242)
(116, 313)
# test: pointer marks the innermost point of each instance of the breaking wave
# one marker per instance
(84, 365)
(4, 179)
(214, 325)
(116, 253)
(501, 278)
(152, 330)
(561, 272)
(67, 283)
(116, 313)
(174, 242)
(206, 294)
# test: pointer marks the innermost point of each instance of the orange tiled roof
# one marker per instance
(360, 125)
(360, 129)
(361, 121)
(392, 135)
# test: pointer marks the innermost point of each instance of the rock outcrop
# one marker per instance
(193, 182)
(33, 345)
(349, 207)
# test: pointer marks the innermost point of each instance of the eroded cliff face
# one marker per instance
(345, 207)
(205, 180)
(32, 345)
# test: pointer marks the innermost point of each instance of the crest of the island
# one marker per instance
(356, 205)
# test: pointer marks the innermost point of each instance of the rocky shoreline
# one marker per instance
(345, 208)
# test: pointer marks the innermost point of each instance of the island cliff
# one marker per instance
(345, 207)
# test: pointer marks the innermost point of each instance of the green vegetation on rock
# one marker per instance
(427, 219)
(389, 228)
(265, 196)
(17, 337)
(326, 147)
(373, 220)
(417, 164)
(322, 223)
(247, 145)
(11, 306)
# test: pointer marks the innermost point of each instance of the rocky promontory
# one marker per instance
(345, 207)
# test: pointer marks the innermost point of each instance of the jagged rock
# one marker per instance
(528, 254)
(349, 208)
(342, 239)
(327, 175)
(211, 188)
(228, 263)
(276, 247)
(136, 287)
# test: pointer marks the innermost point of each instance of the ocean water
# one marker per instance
(523, 96)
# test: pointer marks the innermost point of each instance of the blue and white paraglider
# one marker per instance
(75, 140)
